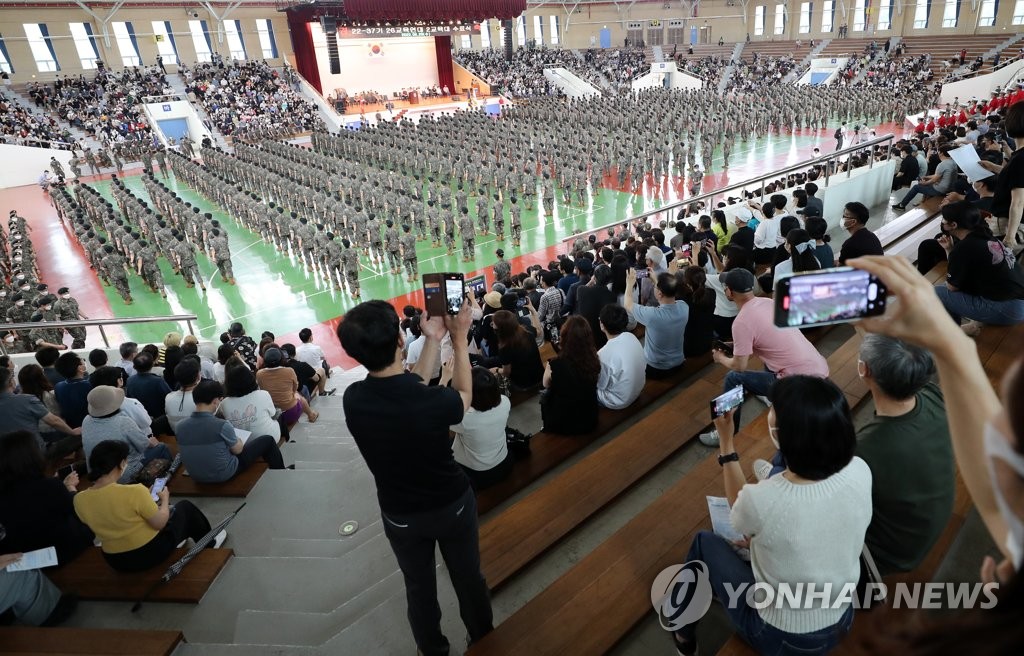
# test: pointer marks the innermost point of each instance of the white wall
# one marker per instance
(982, 85)
(406, 62)
(177, 109)
(869, 186)
(22, 165)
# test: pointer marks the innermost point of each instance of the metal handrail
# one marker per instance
(709, 196)
(100, 323)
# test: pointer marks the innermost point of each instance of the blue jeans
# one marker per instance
(979, 308)
(758, 383)
(154, 452)
(923, 189)
(725, 566)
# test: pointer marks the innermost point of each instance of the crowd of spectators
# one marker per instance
(617, 67)
(250, 100)
(523, 75)
(21, 126)
(759, 72)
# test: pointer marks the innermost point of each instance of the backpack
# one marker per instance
(839, 133)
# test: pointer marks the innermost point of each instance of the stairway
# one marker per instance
(804, 63)
(726, 75)
(659, 54)
(178, 84)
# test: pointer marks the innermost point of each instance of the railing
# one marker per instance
(100, 323)
(828, 161)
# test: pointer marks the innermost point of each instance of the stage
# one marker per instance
(403, 109)
(398, 105)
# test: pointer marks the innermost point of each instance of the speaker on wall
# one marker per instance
(330, 26)
(506, 26)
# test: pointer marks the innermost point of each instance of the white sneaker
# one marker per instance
(762, 468)
(764, 400)
(972, 328)
(218, 540)
(710, 438)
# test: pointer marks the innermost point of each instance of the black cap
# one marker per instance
(739, 280)
(63, 290)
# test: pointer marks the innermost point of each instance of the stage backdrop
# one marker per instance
(382, 65)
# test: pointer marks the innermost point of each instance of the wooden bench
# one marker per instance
(589, 608)
(94, 642)
(182, 485)
(90, 577)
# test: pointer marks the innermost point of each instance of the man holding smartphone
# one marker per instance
(401, 428)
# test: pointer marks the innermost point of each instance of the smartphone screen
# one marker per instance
(686, 250)
(158, 486)
(479, 286)
(830, 296)
(454, 291)
(726, 402)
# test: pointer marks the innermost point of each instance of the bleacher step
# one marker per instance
(339, 452)
(324, 547)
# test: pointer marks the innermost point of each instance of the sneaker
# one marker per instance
(762, 468)
(218, 541)
(899, 207)
(710, 438)
(764, 399)
(684, 647)
(972, 328)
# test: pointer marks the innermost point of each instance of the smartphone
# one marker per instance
(685, 251)
(479, 286)
(443, 293)
(724, 347)
(726, 402)
(65, 471)
(829, 296)
(158, 485)
(643, 273)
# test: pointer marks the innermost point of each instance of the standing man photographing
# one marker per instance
(400, 425)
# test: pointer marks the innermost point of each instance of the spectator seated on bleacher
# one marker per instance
(245, 405)
(72, 392)
(982, 283)
(861, 241)
(518, 355)
(136, 532)
(311, 381)
(25, 412)
(283, 385)
(179, 404)
(147, 387)
(700, 302)
(133, 408)
(36, 510)
(190, 347)
(805, 524)
(480, 447)
(569, 400)
(106, 421)
(623, 363)
(211, 449)
(591, 300)
(664, 324)
(906, 445)
(127, 352)
(784, 352)
(33, 381)
(31, 597)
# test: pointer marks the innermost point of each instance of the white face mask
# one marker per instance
(9, 339)
(19, 303)
(997, 446)
(66, 296)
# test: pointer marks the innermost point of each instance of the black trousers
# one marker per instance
(413, 538)
(186, 521)
(265, 447)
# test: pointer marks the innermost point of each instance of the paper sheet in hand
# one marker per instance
(242, 435)
(721, 522)
(35, 560)
(968, 161)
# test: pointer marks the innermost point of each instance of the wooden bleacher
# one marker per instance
(849, 47)
(182, 485)
(941, 47)
(19, 640)
(91, 578)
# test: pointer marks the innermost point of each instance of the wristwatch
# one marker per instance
(729, 457)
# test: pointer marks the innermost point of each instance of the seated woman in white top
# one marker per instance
(800, 247)
(178, 404)
(803, 525)
(479, 444)
(246, 406)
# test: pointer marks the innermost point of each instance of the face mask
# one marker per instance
(19, 303)
(66, 296)
(997, 446)
(9, 339)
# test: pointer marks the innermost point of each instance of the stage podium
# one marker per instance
(414, 97)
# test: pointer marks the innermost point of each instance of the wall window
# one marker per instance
(521, 31)
(1018, 13)
(42, 48)
(200, 40)
(85, 44)
(553, 32)
(165, 45)
(127, 44)
(485, 34)
(828, 12)
(780, 19)
(465, 42)
(988, 13)
(538, 30)
(233, 30)
(265, 30)
(759, 20)
(805, 17)
(5, 59)
(859, 15)
(884, 14)
(921, 14)
(949, 13)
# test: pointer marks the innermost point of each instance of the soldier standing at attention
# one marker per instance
(161, 159)
(116, 270)
(222, 255)
(66, 308)
(408, 243)
(481, 212)
(468, 235)
(333, 262)
(515, 214)
(350, 263)
(502, 269)
(393, 246)
(149, 269)
(549, 195)
(498, 214)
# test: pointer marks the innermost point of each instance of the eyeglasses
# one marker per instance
(773, 432)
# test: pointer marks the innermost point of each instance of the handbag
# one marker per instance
(152, 470)
(518, 443)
